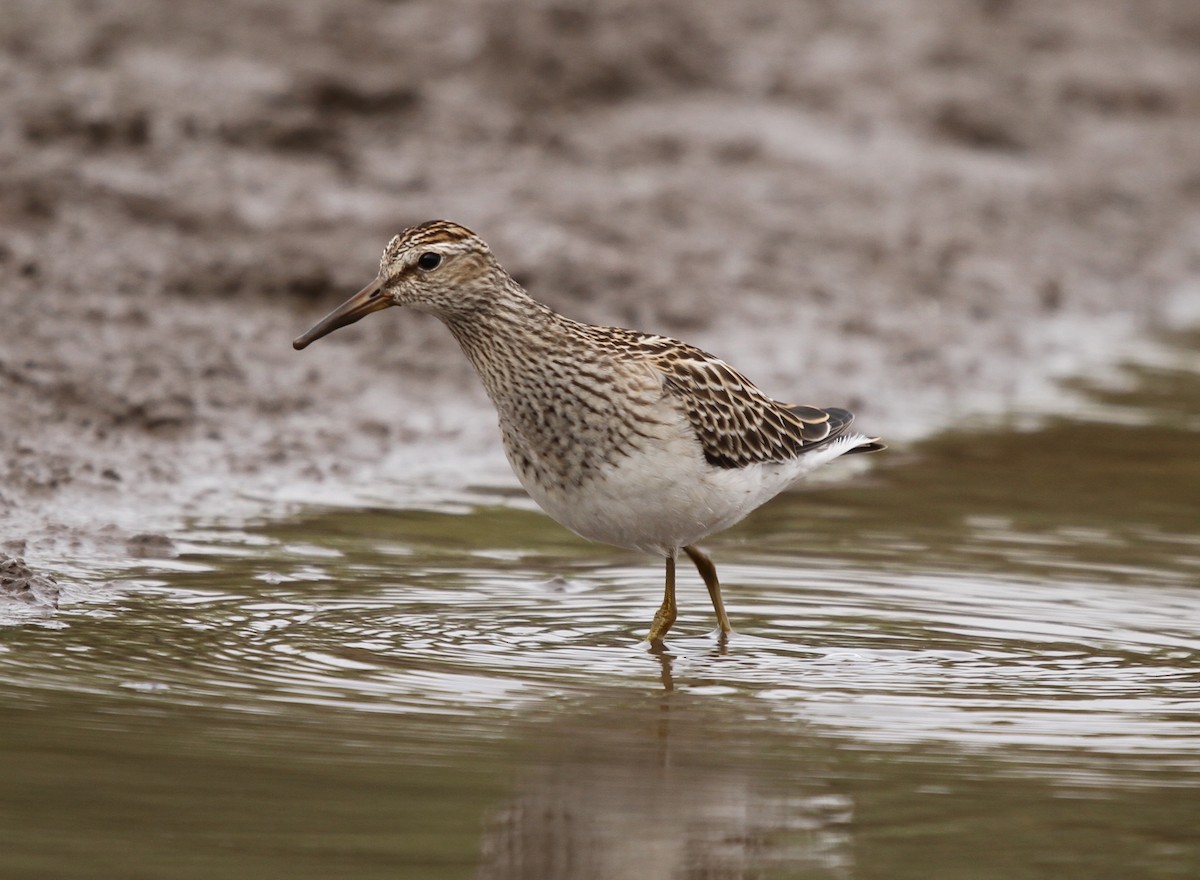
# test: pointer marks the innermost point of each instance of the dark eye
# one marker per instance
(429, 260)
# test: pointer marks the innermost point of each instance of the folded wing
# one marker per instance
(737, 424)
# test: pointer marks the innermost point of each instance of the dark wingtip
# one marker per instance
(299, 343)
(872, 445)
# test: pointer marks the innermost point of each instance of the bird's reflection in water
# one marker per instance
(659, 789)
(666, 660)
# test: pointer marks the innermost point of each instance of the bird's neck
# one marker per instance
(507, 340)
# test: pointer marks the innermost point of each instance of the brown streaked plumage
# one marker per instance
(627, 438)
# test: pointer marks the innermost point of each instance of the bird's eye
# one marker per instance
(429, 260)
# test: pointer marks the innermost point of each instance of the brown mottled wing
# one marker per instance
(736, 423)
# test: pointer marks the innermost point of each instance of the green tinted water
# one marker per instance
(980, 659)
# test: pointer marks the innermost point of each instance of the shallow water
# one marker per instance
(979, 659)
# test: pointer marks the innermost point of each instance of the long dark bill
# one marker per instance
(369, 299)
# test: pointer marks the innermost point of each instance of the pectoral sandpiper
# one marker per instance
(627, 438)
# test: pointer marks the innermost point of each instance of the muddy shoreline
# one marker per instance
(925, 212)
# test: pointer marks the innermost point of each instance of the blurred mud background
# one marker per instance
(922, 209)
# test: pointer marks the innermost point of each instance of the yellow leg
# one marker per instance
(665, 616)
(708, 571)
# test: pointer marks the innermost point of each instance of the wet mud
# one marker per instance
(21, 583)
(921, 210)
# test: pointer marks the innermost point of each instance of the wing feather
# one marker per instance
(736, 423)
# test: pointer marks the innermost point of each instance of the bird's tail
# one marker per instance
(838, 420)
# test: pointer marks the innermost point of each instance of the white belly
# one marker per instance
(667, 496)
(656, 502)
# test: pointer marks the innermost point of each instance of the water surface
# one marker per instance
(979, 659)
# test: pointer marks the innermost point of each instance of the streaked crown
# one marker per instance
(442, 268)
(441, 236)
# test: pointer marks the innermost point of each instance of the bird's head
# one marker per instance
(437, 267)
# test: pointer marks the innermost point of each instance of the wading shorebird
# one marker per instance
(626, 438)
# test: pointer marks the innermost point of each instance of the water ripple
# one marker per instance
(888, 657)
